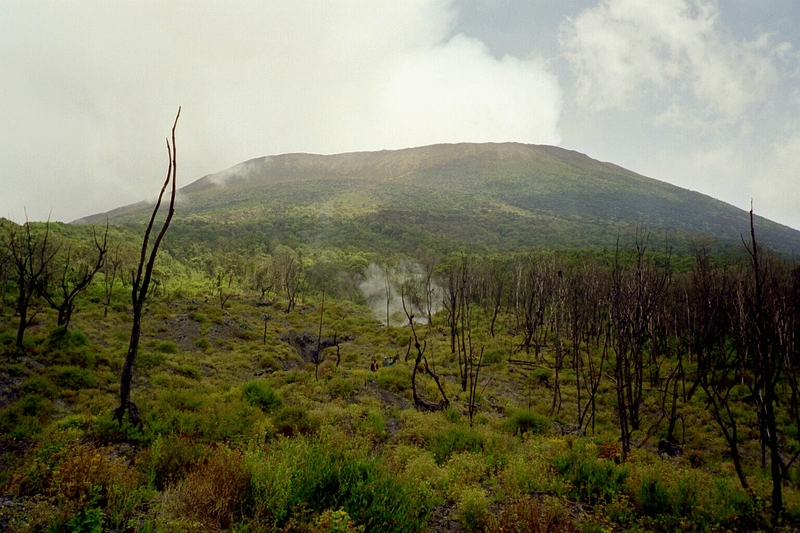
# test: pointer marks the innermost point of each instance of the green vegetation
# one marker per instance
(542, 390)
(448, 198)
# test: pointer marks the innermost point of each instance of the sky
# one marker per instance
(704, 94)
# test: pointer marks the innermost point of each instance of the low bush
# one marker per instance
(291, 420)
(261, 395)
(268, 362)
(541, 376)
(494, 356)
(343, 387)
(72, 377)
(526, 421)
(211, 497)
(67, 347)
(452, 440)
(147, 360)
(374, 425)
(188, 371)
(169, 458)
(395, 378)
(203, 343)
(313, 474)
(531, 516)
(163, 346)
(590, 479)
(33, 405)
(473, 508)
(39, 385)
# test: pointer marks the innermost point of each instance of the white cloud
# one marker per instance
(90, 90)
(738, 172)
(677, 50)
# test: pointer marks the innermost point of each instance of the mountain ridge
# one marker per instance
(564, 196)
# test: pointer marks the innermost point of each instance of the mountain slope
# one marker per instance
(448, 197)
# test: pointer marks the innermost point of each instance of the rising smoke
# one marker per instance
(386, 288)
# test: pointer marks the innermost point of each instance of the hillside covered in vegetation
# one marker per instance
(453, 338)
(447, 198)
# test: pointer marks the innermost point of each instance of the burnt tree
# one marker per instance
(64, 282)
(29, 254)
(140, 282)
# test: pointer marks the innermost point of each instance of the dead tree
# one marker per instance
(112, 267)
(5, 268)
(635, 295)
(586, 303)
(73, 279)
(492, 284)
(140, 283)
(474, 369)
(762, 344)
(30, 255)
(287, 269)
(420, 359)
(457, 299)
(319, 336)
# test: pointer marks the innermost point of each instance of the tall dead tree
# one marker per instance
(635, 295)
(141, 282)
(421, 360)
(763, 346)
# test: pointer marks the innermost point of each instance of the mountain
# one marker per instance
(448, 197)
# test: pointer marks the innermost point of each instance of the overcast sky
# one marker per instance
(704, 94)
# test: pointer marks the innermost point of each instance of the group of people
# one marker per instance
(386, 362)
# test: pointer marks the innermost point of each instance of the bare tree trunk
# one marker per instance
(141, 282)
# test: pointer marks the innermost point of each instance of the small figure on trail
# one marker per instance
(374, 366)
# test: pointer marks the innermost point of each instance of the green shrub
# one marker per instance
(14, 424)
(147, 360)
(268, 362)
(452, 440)
(169, 458)
(63, 339)
(39, 385)
(375, 424)
(203, 343)
(8, 338)
(311, 474)
(525, 421)
(452, 415)
(72, 377)
(395, 378)
(261, 395)
(67, 347)
(291, 420)
(32, 404)
(473, 508)
(188, 371)
(541, 376)
(531, 516)
(494, 356)
(654, 498)
(163, 346)
(16, 370)
(590, 479)
(198, 317)
(343, 387)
